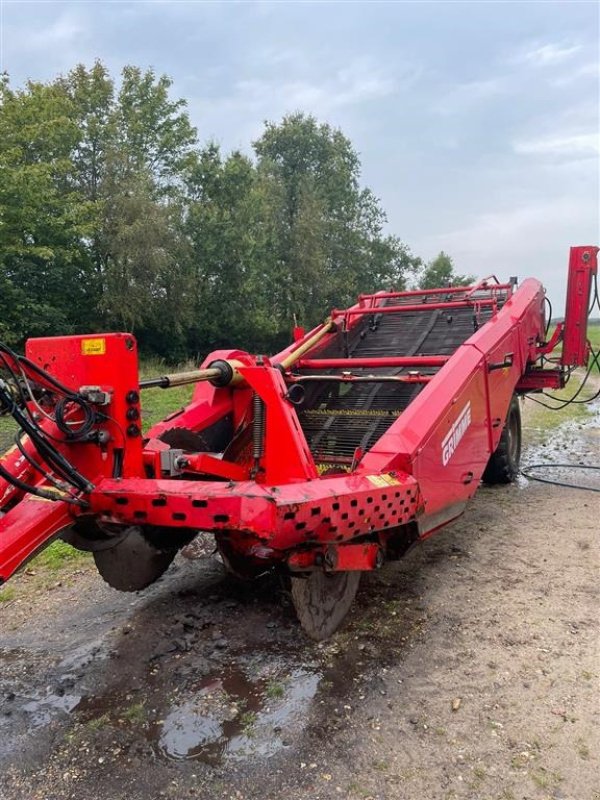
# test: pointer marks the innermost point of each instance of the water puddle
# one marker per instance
(43, 710)
(27, 707)
(22, 716)
(576, 443)
(233, 716)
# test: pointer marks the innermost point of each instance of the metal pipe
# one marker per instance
(306, 345)
(441, 290)
(349, 378)
(180, 378)
(220, 373)
(415, 307)
(373, 363)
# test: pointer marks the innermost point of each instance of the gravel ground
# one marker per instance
(468, 670)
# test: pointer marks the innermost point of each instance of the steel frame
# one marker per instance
(264, 492)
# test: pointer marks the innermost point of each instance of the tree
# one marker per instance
(330, 243)
(92, 203)
(44, 225)
(134, 150)
(439, 272)
(112, 216)
(229, 232)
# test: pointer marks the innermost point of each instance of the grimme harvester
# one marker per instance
(364, 436)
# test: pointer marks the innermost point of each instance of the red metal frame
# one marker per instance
(264, 492)
(372, 363)
(450, 304)
(583, 266)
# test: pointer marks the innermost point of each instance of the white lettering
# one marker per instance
(456, 433)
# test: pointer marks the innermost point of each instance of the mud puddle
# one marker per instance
(206, 672)
(233, 716)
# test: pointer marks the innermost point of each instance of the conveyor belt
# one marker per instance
(338, 418)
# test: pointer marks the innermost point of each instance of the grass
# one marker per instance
(46, 567)
(274, 690)
(546, 418)
(97, 723)
(7, 431)
(593, 333)
(135, 714)
(159, 403)
(58, 555)
(583, 751)
(247, 721)
(7, 594)
(545, 779)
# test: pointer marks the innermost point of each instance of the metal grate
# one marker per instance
(339, 418)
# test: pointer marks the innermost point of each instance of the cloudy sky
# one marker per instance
(477, 122)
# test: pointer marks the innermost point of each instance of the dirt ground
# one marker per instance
(468, 670)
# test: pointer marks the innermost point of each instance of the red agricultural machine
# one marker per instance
(364, 436)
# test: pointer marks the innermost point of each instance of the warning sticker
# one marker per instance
(383, 480)
(93, 347)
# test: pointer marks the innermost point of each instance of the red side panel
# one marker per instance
(446, 435)
(110, 362)
(583, 265)
(28, 527)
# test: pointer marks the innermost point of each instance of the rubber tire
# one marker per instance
(322, 601)
(503, 466)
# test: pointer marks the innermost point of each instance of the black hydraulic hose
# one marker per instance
(84, 427)
(45, 375)
(38, 467)
(45, 449)
(526, 473)
(4, 364)
(564, 403)
(547, 300)
(595, 297)
(25, 487)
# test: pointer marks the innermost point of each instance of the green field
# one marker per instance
(159, 403)
(594, 335)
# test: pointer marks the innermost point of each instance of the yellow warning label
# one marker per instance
(93, 347)
(383, 480)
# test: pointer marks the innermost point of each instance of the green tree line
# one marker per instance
(113, 216)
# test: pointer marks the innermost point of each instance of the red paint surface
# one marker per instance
(273, 504)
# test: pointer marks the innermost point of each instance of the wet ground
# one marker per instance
(568, 454)
(468, 670)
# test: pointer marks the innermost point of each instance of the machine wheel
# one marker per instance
(322, 600)
(133, 563)
(236, 564)
(503, 466)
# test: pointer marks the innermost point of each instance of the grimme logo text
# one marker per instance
(456, 433)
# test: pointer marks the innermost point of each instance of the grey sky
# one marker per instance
(477, 123)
